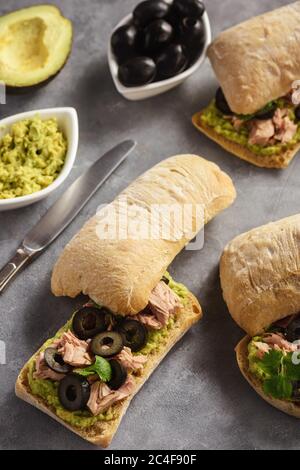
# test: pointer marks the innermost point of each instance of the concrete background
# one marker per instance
(197, 398)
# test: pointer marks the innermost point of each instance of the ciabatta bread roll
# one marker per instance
(260, 278)
(129, 269)
(258, 60)
(122, 277)
(257, 65)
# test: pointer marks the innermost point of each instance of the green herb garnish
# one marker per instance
(101, 367)
(280, 372)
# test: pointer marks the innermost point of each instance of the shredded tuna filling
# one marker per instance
(163, 304)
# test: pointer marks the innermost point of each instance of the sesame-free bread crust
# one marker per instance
(260, 274)
(258, 60)
(120, 273)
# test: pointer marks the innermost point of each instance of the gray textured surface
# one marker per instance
(197, 398)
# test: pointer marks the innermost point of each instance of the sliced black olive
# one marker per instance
(150, 10)
(74, 392)
(266, 113)
(293, 330)
(194, 8)
(89, 321)
(107, 344)
(221, 102)
(158, 34)
(134, 334)
(165, 280)
(124, 41)
(119, 375)
(55, 361)
(192, 32)
(171, 61)
(137, 71)
(297, 113)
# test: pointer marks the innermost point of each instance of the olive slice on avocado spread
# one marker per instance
(55, 361)
(35, 43)
(119, 375)
(74, 392)
(134, 334)
(107, 344)
(89, 321)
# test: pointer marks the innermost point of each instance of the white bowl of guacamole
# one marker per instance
(37, 152)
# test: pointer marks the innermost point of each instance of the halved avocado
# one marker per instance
(35, 43)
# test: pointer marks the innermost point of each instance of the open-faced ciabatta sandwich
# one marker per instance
(256, 63)
(86, 376)
(260, 277)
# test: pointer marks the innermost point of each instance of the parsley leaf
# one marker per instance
(292, 371)
(101, 367)
(278, 387)
(271, 362)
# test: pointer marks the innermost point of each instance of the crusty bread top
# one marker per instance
(121, 273)
(260, 274)
(258, 60)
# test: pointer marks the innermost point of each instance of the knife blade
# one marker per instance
(64, 210)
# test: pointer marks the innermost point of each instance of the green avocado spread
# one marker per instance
(212, 117)
(47, 389)
(32, 155)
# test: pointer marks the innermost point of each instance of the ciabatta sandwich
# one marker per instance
(260, 277)
(257, 64)
(86, 376)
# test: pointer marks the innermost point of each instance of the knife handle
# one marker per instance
(11, 269)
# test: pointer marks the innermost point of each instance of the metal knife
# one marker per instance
(64, 210)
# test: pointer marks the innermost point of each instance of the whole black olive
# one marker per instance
(192, 32)
(134, 334)
(137, 71)
(158, 34)
(171, 61)
(89, 321)
(55, 361)
(221, 102)
(266, 113)
(293, 330)
(150, 10)
(74, 392)
(124, 41)
(194, 8)
(118, 375)
(297, 113)
(107, 344)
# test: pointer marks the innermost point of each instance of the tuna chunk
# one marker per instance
(42, 371)
(130, 362)
(279, 129)
(261, 132)
(102, 397)
(163, 303)
(73, 350)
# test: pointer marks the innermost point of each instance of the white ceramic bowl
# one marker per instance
(68, 122)
(156, 88)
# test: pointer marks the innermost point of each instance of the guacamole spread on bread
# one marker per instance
(32, 155)
(273, 135)
(48, 389)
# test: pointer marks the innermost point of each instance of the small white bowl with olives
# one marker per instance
(158, 46)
